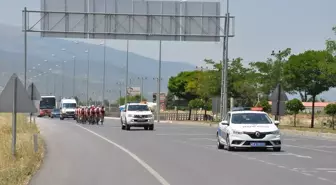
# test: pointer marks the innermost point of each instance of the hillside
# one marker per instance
(40, 49)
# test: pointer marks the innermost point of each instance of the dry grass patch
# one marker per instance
(18, 170)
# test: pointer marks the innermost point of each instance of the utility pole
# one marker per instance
(278, 60)
(126, 84)
(224, 63)
(158, 98)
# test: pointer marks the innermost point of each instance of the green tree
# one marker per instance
(170, 103)
(330, 109)
(106, 103)
(179, 84)
(136, 98)
(270, 72)
(294, 106)
(313, 72)
(331, 44)
(265, 105)
(196, 103)
(241, 83)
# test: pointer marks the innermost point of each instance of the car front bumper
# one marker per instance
(245, 141)
(68, 115)
(137, 122)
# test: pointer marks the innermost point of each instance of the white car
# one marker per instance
(248, 129)
(136, 115)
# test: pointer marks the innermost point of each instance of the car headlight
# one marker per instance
(277, 132)
(130, 115)
(236, 132)
(150, 116)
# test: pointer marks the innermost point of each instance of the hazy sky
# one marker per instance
(261, 26)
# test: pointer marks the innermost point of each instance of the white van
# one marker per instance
(67, 108)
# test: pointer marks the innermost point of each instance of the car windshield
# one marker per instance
(137, 108)
(56, 110)
(69, 105)
(250, 118)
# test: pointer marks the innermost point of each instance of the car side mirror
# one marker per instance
(276, 122)
(60, 108)
(225, 122)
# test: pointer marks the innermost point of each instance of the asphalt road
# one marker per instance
(174, 154)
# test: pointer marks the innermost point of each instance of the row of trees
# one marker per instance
(308, 74)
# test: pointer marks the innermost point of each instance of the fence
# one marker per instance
(173, 116)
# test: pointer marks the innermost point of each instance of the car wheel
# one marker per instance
(151, 127)
(127, 127)
(219, 145)
(277, 149)
(228, 147)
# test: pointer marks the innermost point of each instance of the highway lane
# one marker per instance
(76, 157)
(177, 154)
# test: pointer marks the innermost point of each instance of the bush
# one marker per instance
(294, 106)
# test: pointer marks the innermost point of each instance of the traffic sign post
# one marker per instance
(34, 95)
(15, 99)
(278, 99)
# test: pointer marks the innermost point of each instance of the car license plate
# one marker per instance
(141, 120)
(257, 144)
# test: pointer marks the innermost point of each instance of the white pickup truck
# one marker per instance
(136, 115)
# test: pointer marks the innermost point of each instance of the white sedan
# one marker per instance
(248, 129)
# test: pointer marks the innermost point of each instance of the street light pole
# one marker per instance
(104, 75)
(87, 79)
(74, 77)
(63, 78)
(126, 84)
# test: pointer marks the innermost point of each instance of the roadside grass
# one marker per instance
(308, 129)
(18, 170)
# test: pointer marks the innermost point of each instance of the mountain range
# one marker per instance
(46, 53)
(41, 49)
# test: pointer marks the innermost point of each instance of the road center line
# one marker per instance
(209, 139)
(185, 134)
(318, 150)
(135, 157)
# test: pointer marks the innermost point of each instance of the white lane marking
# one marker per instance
(326, 169)
(307, 148)
(316, 138)
(291, 154)
(323, 179)
(258, 160)
(331, 171)
(290, 139)
(209, 139)
(135, 157)
(185, 134)
(330, 147)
